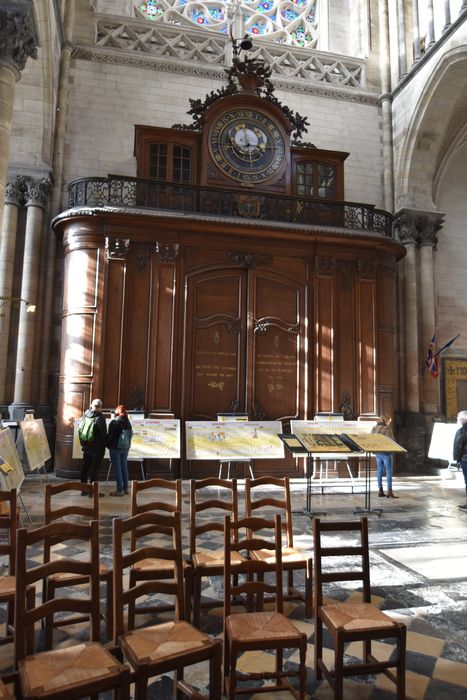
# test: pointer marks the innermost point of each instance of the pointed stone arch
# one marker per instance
(433, 127)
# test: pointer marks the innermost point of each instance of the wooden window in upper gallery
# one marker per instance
(314, 179)
(170, 162)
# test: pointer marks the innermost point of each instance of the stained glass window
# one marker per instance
(292, 22)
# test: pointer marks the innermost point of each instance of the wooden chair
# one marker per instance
(350, 622)
(258, 630)
(209, 562)
(168, 646)
(8, 526)
(89, 510)
(70, 671)
(274, 493)
(146, 496)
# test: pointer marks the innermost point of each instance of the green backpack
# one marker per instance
(86, 429)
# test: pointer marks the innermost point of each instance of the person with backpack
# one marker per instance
(119, 442)
(92, 433)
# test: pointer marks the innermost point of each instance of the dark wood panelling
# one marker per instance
(137, 328)
(324, 318)
(162, 352)
(367, 338)
(113, 324)
(345, 391)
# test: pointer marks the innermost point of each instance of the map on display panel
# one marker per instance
(233, 440)
(152, 439)
(11, 471)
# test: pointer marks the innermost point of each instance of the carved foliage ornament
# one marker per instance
(247, 259)
(418, 227)
(325, 267)
(117, 248)
(367, 269)
(167, 252)
(18, 32)
(28, 191)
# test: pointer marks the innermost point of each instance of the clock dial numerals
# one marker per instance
(247, 145)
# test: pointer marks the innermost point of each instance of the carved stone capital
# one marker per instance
(418, 227)
(14, 193)
(167, 252)
(19, 37)
(117, 248)
(37, 192)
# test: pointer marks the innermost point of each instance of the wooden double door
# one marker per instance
(245, 344)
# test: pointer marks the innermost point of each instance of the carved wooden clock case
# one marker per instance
(246, 143)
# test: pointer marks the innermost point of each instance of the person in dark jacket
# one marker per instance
(119, 452)
(460, 449)
(93, 451)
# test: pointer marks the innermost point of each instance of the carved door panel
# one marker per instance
(216, 319)
(245, 331)
(276, 368)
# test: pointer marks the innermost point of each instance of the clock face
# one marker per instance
(247, 145)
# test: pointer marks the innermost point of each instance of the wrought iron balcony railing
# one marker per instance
(132, 192)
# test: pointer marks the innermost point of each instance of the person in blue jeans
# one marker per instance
(384, 459)
(460, 449)
(118, 442)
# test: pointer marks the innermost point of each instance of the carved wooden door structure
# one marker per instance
(244, 344)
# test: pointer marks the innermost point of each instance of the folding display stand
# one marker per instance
(245, 462)
(368, 508)
(309, 473)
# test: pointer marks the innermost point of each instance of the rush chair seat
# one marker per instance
(84, 668)
(258, 630)
(270, 494)
(205, 521)
(350, 622)
(55, 510)
(9, 518)
(167, 646)
(163, 496)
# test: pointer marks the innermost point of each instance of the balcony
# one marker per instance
(193, 200)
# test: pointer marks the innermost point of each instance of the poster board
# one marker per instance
(442, 441)
(233, 440)
(152, 439)
(11, 471)
(321, 442)
(376, 443)
(36, 444)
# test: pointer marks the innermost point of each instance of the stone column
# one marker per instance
(428, 224)
(416, 32)
(412, 429)
(386, 105)
(431, 24)
(401, 39)
(13, 201)
(447, 15)
(36, 199)
(18, 40)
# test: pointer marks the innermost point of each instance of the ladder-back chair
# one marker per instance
(270, 494)
(160, 496)
(63, 503)
(167, 646)
(251, 631)
(206, 512)
(351, 621)
(9, 518)
(78, 670)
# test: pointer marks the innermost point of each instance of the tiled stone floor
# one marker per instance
(418, 571)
